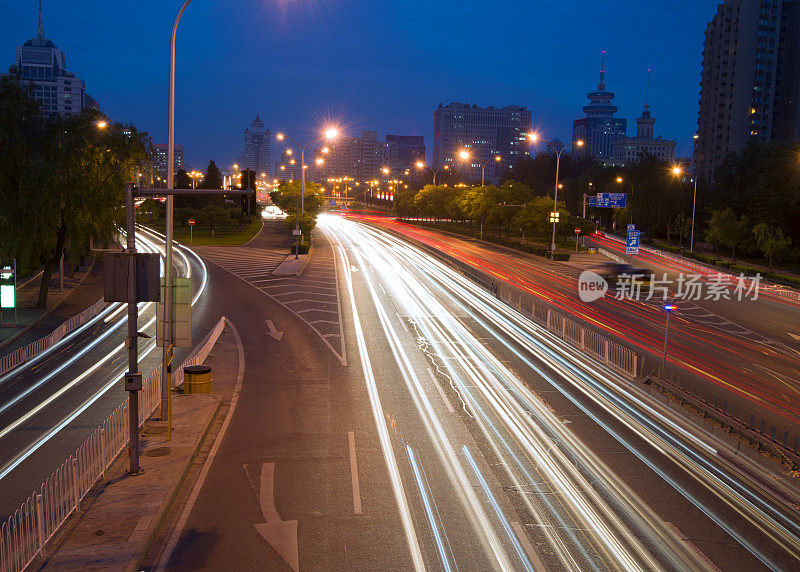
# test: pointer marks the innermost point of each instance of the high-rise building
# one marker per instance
(486, 132)
(599, 129)
(629, 150)
(405, 151)
(255, 155)
(160, 159)
(42, 67)
(750, 86)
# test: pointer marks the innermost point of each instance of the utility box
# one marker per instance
(133, 381)
(115, 274)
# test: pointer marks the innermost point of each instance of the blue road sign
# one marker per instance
(632, 242)
(612, 200)
(592, 201)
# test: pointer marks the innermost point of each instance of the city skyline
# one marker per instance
(406, 73)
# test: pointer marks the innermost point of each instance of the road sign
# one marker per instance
(8, 286)
(181, 314)
(612, 200)
(555, 216)
(632, 242)
(191, 222)
(631, 227)
(592, 201)
(577, 231)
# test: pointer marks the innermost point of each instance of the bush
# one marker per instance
(304, 248)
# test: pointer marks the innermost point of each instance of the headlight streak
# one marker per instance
(380, 422)
(429, 505)
(145, 245)
(66, 420)
(518, 421)
(747, 504)
(441, 443)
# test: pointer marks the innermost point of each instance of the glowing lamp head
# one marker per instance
(619, 179)
(464, 155)
(280, 136)
(533, 137)
(420, 164)
(385, 170)
(579, 143)
(676, 170)
(331, 133)
(101, 124)
(498, 158)
(320, 161)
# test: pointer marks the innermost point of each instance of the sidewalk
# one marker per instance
(80, 292)
(121, 516)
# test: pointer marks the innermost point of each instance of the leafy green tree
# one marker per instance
(477, 203)
(772, 242)
(725, 229)
(287, 196)
(213, 177)
(215, 217)
(404, 205)
(533, 219)
(182, 180)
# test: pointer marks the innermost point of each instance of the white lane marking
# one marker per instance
(380, 422)
(176, 533)
(280, 534)
(526, 544)
(354, 473)
(402, 323)
(273, 332)
(382, 289)
(441, 391)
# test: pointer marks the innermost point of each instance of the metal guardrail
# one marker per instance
(25, 534)
(25, 353)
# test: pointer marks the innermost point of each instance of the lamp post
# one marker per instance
(464, 156)
(678, 171)
(421, 165)
(330, 133)
(166, 372)
(559, 148)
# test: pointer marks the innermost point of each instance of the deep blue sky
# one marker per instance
(370, 64)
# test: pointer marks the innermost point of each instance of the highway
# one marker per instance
(50, 404)
(758, 373)
(477, 441)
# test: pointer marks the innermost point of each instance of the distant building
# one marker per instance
(485, 132)
(43, 67)
(630, 150)
(405, 151)
(160, 159)
(750, 87)
(287, 169)
(256, 153)
(599, 129)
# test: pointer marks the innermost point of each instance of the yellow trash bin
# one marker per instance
(197, 379)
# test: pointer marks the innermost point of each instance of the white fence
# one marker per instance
(23, 354)
(24, 535)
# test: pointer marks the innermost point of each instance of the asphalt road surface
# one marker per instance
(447, 431)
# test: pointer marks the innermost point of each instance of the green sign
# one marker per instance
(7, 288)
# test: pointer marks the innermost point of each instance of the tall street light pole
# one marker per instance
(677, 171)
(331, 133)
(559, 148)
(464, 155)
(166, 357)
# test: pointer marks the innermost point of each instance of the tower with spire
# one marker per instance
(629, 150)
(42, 66)
(598, 129)
(256, 152)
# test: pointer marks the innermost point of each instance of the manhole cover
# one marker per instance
(156, 452)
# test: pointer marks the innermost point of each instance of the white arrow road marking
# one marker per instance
(280, 534)
(273, 331)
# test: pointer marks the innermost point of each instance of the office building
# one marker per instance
(485, 132)
(404, 152)
(750, 85)
(160, 160)
(42, 67)
(630, 150)
(599, 128)
(256, 153)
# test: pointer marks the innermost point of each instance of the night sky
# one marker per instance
(380, 65)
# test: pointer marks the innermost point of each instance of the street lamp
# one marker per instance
(678, 171)
(559, 148)
(330, 133)
(464, 156)
(422, 165)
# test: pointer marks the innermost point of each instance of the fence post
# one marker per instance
(40, 523)
(606, 352)
(75, 483)
(635, 364)
(102, 452)
(583, 339)
(563, 327)
(548, 318)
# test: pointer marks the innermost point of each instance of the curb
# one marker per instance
(134, 564)
(27, 328)
(255, 236)
(291, 257)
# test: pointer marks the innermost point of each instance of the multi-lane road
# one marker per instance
(454, 434)
(49, 405)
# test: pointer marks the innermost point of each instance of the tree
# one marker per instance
(182, 180)
(772, 242)
(215, 217)
(727, 230)
(287, 196)
(477, 202)
(213, 177)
